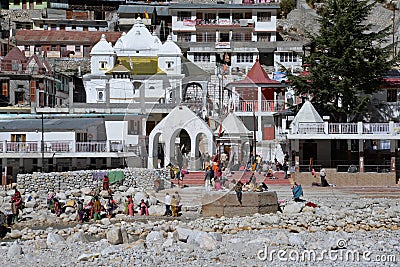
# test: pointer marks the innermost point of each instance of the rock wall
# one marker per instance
(142, 179)
(349, 179)
(219, 204)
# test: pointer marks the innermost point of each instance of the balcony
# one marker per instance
(266, 106)
(348, 130)
(210, 23)
(60, 147)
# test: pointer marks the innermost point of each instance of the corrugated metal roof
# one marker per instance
(29, 125)
(135, 9)
(63, 37)
(223, 6)
(162, 10)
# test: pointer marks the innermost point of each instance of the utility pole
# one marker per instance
(42, 143)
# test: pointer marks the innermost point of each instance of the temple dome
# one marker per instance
(137, 39)
(170, 48)
(102, 47)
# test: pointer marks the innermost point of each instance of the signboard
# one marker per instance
(189, 22)
(222, 45)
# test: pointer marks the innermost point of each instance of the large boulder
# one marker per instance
(14, 251)
(114, 236)
(156, 210)
(183, 233)
(78, 237)
(154, 236)
(55, 241)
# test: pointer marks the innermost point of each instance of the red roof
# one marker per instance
(257, 75)
(15, 54)
(14, 60)
(62, 37)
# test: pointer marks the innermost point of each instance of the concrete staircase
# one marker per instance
(196, 178)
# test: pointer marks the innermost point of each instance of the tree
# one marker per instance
(287, 6)
(347, 60)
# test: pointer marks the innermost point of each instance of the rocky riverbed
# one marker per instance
(342, 229)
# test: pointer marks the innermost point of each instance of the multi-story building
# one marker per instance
(61, 43)
(233, 34)
(27, 4)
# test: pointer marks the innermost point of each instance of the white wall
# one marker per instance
(122, 91)
(37, 136)
(91, 89)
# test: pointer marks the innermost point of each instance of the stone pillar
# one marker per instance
(74, 163)
(108, 162)
(361, 152)
(167, 152)
(193, 164)
(3, 170)
(259, 126)
(349, 149)
(393, 155)
(296, 148)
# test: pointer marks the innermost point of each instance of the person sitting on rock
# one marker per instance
(80, 211)
(97, 208)
(16, 204)
(143, 208)
(112, 205)
(297, 191)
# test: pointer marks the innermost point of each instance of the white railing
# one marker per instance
(342, 128)
(67, 147)
(252, 106)
(311, 128)
(22, 147)
(376, 128)
(347, 128)
(91, 146)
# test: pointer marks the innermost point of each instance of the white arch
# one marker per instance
(180, 118)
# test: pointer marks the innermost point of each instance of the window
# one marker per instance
(100, 95)
(244, 58)
(77, 48)
(169, 64)
(184, 36)
(202, 57)
(27, 48)
(224, 37)
(264, 37)
(391, 95)
(102, 65)
(288, 57)
(152, 88)
(182, 15)
(133, 127)
(53, 48)
(264, 16)
(207, 37)
(241, 36)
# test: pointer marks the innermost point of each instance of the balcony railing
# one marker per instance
(266, 106)
(389, 128)
(66, 147)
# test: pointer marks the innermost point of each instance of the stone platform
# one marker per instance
(226, 204)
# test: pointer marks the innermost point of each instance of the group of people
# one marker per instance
(177, 173)
(143, 207)
(172, 204)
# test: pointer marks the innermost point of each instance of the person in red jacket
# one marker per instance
(106, 183)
